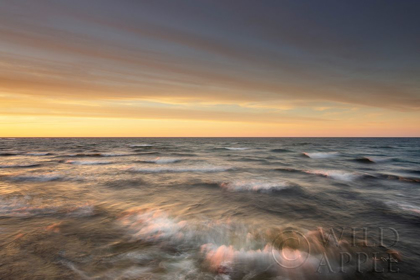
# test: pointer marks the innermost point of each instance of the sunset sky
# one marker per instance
(209, 68)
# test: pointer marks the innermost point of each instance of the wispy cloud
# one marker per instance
(278, 61)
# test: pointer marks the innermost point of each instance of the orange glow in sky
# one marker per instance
(138, 69)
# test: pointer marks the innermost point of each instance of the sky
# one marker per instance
(209, 68)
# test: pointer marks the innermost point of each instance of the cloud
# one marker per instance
(298, 58)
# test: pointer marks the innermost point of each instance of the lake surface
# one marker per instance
(209, 208)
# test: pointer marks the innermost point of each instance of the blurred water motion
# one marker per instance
(204, 208)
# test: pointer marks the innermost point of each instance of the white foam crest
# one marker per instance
(378, 159)
(319, 155)
(254, 185)
(16, 207)
(221, 259)
(336, 174)
(228, 260)
(88, 162)
(39, 154)
(161, 169)
(116, 154)
(140, 145)
(162, 160)
(36, 178)
(406, 207)
(236, 148)
(151, 225)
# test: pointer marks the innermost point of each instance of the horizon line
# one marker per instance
(14, 137)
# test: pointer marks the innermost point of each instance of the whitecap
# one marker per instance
(98, 155)
(15, 207)
(236, 149)
(88, 162)
(39, 154)
(179, 169)
(406, 207)
(319, 155)
(35, 178)
(256, 186)
(160, 160)
(116, 154)
(336, 174)
(151, 225)
(379, 159)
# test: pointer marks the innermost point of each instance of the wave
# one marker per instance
(150, 225)
(405, 207)
(39, 154)
(291, 170)
(87, 162)
(374, 159)
(414, 171)
(280, 150)
(384, 147)
(142, 152)
(184, 154)
(231, 250)
(15, 207)
(301, 144)
(162, 160)
(319, 155)
(8, 154)
(20, 165)
(256, 186)
(235, 149)
(99, 155)
(336, 174)
(203, 169)
(34, 178)
(364, 160)
(249, 159)
(399, 178)
(140, 145)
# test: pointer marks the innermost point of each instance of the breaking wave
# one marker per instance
(99, 155)
(88, 162)
(150, 225)
(336, 174)
(364, 160)
(39, 154)
(16, 207)
(140, 145)
(399, 178)
(321, 155)
(203, 169)
(405, 207)
(256, 186)
(34, 178)
(231, 250)
(162, 160)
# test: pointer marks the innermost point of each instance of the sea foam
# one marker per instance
(319, 155)
(88, 162)
(336, 174)
(236, 148)
(256, 186)
(161, 169)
